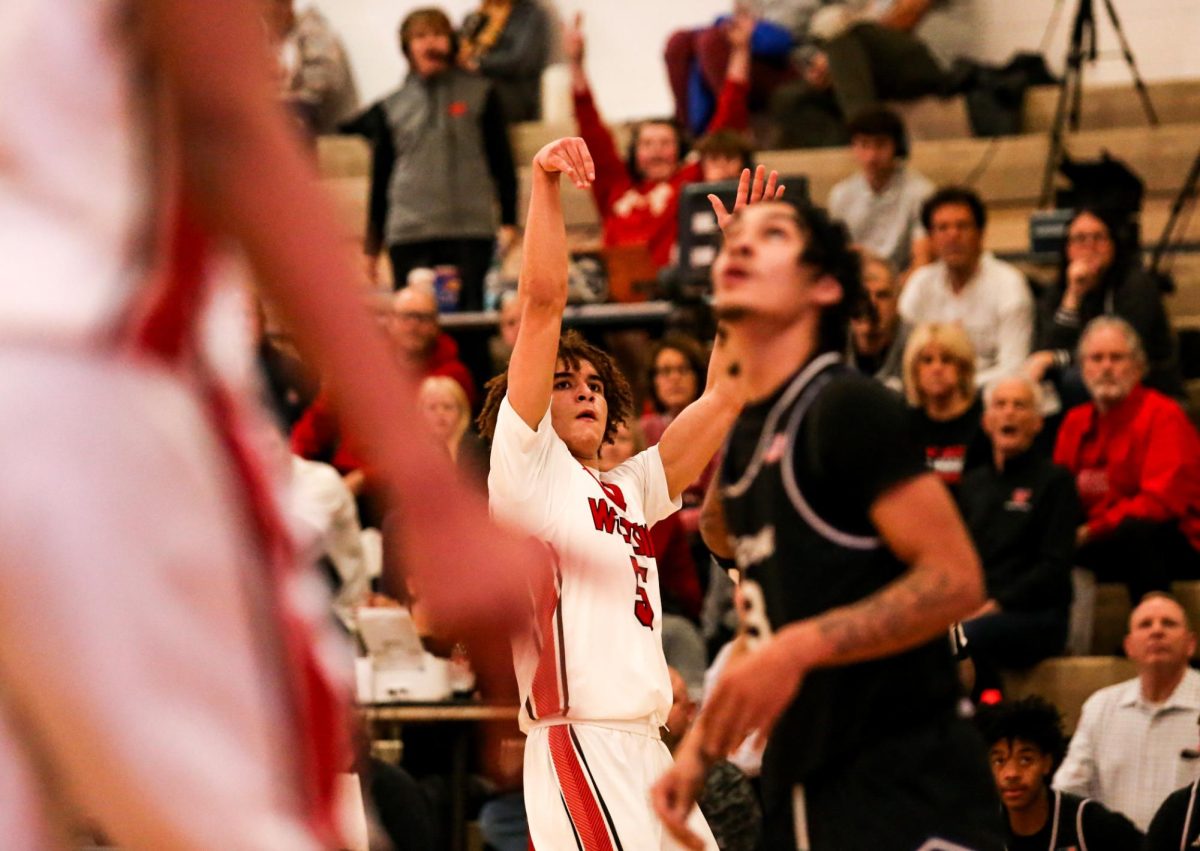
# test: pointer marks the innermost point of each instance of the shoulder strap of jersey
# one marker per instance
(803, 380)
(813, 459)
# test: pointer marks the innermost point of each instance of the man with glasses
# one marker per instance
(411, 322)
(418, 340)
(1135, 457)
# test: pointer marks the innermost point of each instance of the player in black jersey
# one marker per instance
(854, 563)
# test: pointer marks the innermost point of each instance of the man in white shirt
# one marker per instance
(989, 298)
(881, 203)
(1128, 751)
(593, 680)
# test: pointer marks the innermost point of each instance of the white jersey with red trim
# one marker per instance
(74, 190)
(596, 650)
(111, 335)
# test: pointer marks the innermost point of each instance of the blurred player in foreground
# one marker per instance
(161, 666)
(854, 563)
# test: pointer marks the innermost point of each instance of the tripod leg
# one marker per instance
(1068, 93)
(1186, 196)
(1139, 84)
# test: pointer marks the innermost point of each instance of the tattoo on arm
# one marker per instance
(911, 610)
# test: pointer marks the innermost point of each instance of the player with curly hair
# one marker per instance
(594, 685)
(1025, 744)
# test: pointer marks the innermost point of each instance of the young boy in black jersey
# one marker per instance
(854, 563)
(1025, 744)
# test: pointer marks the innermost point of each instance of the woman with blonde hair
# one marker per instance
(939, 383)
(447, 412)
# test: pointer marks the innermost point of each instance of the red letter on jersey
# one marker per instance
(642, 610)
(603, 515)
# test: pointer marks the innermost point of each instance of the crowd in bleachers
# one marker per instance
(1051, 412)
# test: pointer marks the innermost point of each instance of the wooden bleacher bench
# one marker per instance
(933, 118)
(1010, 182)
(1068, 681)
(1013, 172)
(1175, 101)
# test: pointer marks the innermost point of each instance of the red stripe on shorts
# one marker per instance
(579, 797)
(549, 689)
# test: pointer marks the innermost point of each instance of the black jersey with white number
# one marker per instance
(800, 474)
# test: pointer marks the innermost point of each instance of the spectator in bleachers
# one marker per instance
(877, 333)
(946, 410)
(1022, 512)
(441, 164)
(500, 345)
(988, 297)
(508, 41)
(697, 60)
(447, 412)
(723, 155)
(1127, 750)
(411, 320)
(323, 507)
(1025, 743)
(638, 197)
(862, 53)
(678, 370)
(315, 74)
(1136, 461)
(1102, 275)
(881, 203)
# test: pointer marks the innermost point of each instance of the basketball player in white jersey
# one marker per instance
(594, 684)
(160, 669)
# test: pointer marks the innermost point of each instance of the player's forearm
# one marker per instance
(738, 67)
(543, 281)
(694, 437)
(912, 610)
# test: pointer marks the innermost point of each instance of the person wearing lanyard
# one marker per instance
(1025, 742)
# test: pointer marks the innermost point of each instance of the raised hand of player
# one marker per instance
(573, 41)
(763, 188)
(675, 793)
(569, 156)
(750, 695)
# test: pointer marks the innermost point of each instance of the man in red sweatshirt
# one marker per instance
(638, 196)
(418, 344)
(1136, 461)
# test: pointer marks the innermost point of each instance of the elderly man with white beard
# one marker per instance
(1135, 457)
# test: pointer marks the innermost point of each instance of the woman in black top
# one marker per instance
(1101, 275)
(939, 383)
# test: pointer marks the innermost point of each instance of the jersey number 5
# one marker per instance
(642, 610)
